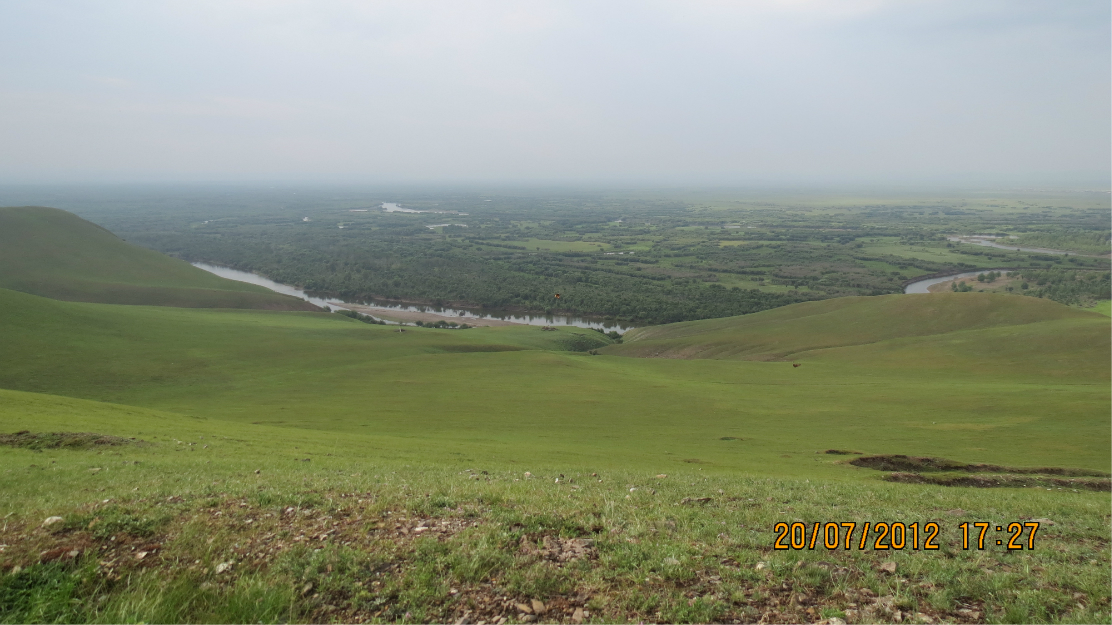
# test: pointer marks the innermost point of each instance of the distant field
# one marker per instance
(561, 246)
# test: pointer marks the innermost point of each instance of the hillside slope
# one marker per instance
(786, 332)
(56, 254)
(515, 393)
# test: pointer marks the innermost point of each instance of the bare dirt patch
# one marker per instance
(62, 440)
(1002, 481)
(919, 464)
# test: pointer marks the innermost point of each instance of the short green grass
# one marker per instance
(242, 523)
(57, 254)
(294, 448)
(512, 391)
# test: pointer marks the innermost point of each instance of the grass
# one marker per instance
(56, 254)
(547, 245)
(1103, 307)
(305, 467)
(509, 391)
(202, 493)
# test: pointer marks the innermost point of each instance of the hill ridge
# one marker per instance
(54, 253)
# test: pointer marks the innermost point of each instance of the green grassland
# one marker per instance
(297, 466)
(514, 392)
(50, 252)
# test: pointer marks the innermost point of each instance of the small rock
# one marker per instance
(140, 555)
(52, 521)
(528, 474)
(306, 589)
(835, 621)
(662, 476)
(671, 561)
(760, 566)
(222, 567)
(923, 618)
(463, 620)
(538, 606)
(888, 567)
(257, 471)
(577, 616)
(524, 608)
(529, 618)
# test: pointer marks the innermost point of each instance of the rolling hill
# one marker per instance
(791, 332)
(275, 466)
(56, 254)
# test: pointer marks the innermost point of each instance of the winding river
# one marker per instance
(991, 242)
(459, 314)
(921, 286)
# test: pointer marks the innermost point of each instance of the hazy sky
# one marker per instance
(523, 91)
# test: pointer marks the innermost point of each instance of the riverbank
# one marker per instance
(405, 313)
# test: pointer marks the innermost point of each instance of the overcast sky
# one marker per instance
(534, 91)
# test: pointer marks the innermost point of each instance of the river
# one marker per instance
(985, 241)
(922, 285)
(455, 314)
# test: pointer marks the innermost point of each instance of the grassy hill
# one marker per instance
(792, 331)
(303, 466)
(57, 254)
(514, 392)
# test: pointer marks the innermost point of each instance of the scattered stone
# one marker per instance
(538, 606)
(223, 567)
(529, 618)
(702, 500)
(760, 566)
(306, 589)
(528, 474)
(52, 521)
(835, 621)
(888, 567)
(577, 616)
(463, 620)
(671, 561)
(257, 471)
(524, 608)
(662, 476)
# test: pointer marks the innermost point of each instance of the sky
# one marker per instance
(647, 92)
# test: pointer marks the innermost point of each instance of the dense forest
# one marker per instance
(644, 258)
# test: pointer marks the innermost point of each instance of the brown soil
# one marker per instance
(1002, 481)
(899, 462)
(55, 440)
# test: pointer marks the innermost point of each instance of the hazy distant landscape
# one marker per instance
(497, 313)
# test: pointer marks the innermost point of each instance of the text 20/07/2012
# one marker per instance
(897, 535)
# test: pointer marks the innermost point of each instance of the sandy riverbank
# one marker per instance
(410, 316)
